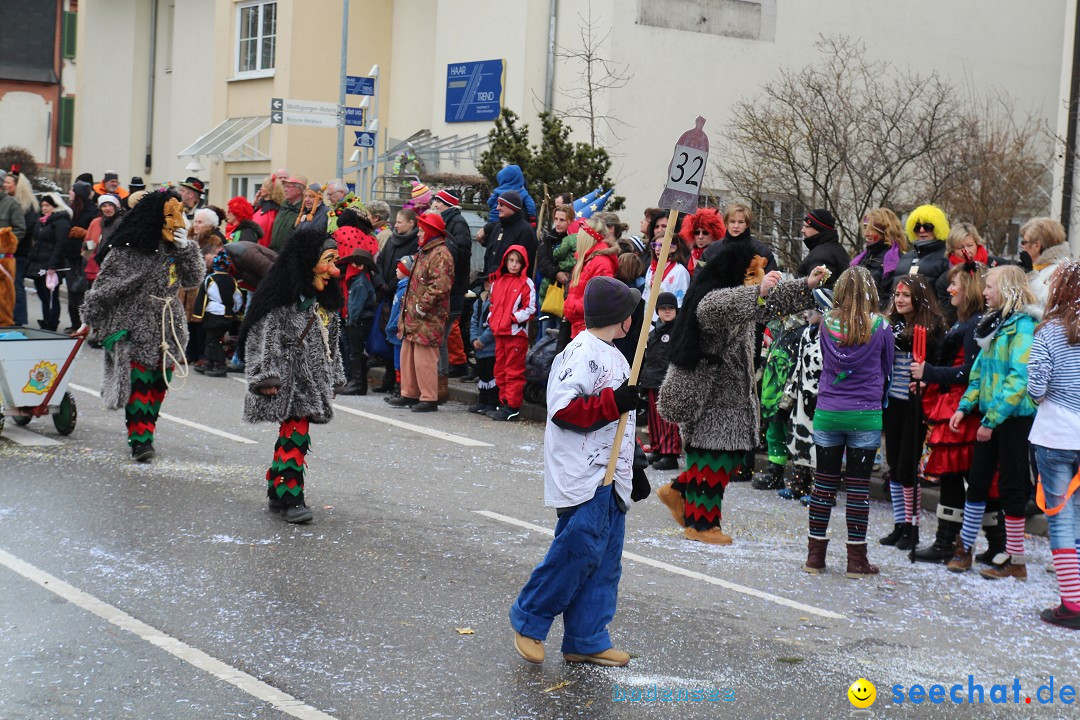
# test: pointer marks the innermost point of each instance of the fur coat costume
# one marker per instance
(304, 366)
(709, 389)
(142, 273)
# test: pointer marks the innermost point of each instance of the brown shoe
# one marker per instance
(444, 389)
(961, 559)
(1014, 567)
(713, 536)
(528, 648)
(674, 502)
(857, 564)
(608, 658)
(815, 556)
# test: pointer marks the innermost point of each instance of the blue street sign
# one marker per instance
(364, 139)
(474, 91)
(351, 186)
(358, 85)
(354, 116)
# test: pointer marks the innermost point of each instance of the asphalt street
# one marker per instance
(168, 591)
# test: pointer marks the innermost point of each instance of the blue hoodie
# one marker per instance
(395, 312)
(510, 178)
(479, 328)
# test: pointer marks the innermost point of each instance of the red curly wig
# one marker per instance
(706, 219)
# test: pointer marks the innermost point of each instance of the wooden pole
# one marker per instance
(643, 337)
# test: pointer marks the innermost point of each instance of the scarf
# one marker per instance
(981, 256)
(667, 270)
(988, 327)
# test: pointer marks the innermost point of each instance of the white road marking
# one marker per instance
(768, 597)
(22, 436)
(179, 420)
(449, 437)
(251, 685)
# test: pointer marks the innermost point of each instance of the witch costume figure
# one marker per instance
(137, 313)
(289, 343)
(710, 389)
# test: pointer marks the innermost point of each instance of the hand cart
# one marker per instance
(33, 371)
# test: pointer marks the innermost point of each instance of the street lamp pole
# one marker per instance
(340, 160)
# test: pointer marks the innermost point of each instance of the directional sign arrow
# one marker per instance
(275, 118)
(276, 103)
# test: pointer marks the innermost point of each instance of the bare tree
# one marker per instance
(597, 75)
(845, 133)
(1002, 172)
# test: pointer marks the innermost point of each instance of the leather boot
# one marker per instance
(894, 537)
(444, 389)
(1014, 567)
(771, 478)
(857, 564)
(360, 377)
(910, 539)
(387, 380)
(942, 549)
(674, 502)
(815, 555)
(994, 527)
(961, 559)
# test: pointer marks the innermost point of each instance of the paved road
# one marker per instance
(208, 606)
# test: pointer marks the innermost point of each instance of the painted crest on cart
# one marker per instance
(42, 377)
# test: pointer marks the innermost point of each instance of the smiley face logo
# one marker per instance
(862, 693)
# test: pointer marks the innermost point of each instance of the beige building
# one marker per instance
(218, 63)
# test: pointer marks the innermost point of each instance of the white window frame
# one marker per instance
(245, 185)
(239, 74)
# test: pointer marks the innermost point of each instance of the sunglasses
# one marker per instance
(928, 227)
(658, 244)
(701, 232)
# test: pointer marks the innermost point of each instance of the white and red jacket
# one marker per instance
(513, 297)
(676, 281)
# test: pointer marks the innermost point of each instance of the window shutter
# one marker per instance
(67, 121)
(69, 33)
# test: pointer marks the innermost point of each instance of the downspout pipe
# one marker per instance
(148, 162)
(549, 85)
(1070, 134)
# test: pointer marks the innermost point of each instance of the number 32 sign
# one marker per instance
(686, 170)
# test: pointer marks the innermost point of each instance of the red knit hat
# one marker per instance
(241, 208)
(433, 224)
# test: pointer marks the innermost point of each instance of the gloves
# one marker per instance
(626, 397)
(640, 489)
(52, 280)
(180, 238)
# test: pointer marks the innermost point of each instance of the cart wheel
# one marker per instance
(64, 418)
(21, 420)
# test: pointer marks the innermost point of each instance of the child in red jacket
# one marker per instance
(513, 302)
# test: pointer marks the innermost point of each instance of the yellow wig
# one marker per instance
(928, 214)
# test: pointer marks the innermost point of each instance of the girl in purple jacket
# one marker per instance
(857, 350)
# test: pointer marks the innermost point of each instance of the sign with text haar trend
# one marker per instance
(474, 90)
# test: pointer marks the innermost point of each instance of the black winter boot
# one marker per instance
(910, 539)
(387, 379)
(942, 549)
(894, 537)
(771, 478)
(995, 537)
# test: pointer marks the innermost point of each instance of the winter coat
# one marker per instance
(545, 258)
(460, 243)
(1039, 278)
(305, 375)
(427, 299)
(319, 219)
(479, 329)
(854, 378)
(395, 312)
(265, 215)
(595, 265)
(50, 244)
(396, 248)
(511, 231)
(361, 298)
(929, 259)
(760, 248)
(880, 260)
(655, 363)
(13, 216)
(824, 249)
(510, 178)
(997, 385)
(247, 231)
(97, 235)
(715, 403)
(251, 262)
(800, 397)
(218, 295)
(513, 298)
(284, 222)
(127, 298)
(777, 371)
